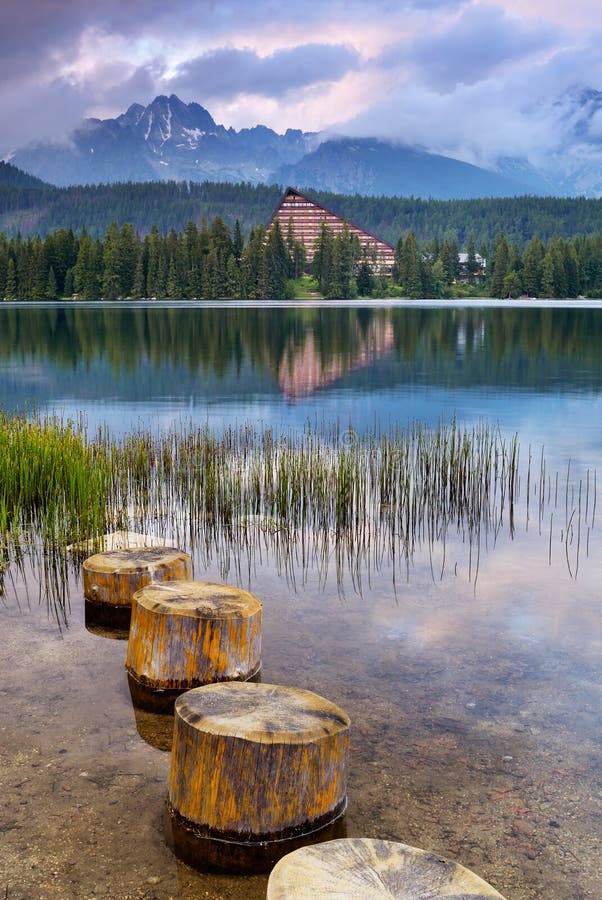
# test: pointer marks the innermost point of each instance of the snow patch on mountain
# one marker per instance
(151, 118)
(167, 119)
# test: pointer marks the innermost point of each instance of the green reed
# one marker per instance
(314, 489)
(52, 487)
(53, 491)
(306, 499)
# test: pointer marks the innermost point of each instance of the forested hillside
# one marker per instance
(11, 177)
(30, 207)
(518, 218)
(42, 209)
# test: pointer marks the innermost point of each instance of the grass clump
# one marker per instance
(53, 483)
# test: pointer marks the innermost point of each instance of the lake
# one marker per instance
(471, 673)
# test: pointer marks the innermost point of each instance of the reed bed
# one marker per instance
(53, 490)
(306, 500)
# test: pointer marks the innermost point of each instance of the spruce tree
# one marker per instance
(449, 258)
(221, 250)
(152, 251)
(322, 259)
(68, 286)
(275, 265)
(590, 265)
(238, 244)
(548, 283)
(533, 255)
(557, 249)
(139, 279)
(426, 275)
(252, 261)
(573, 271)
(438, 278)
(172, 288)
(161, 274)
(512, 286)
(234, 290)
(111, 281)
(129, 249)
(85, 281)
(10, 291)
(410, 271)
(341, 268)
(365, 280)
(38, 271)
(51, 292)
(190, 274)
(61, 253)
(500, 266)
(398, 264)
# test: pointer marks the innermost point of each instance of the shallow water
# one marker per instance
(475, 716)
(475, 704)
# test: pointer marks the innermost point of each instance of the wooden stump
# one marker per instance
(111, 579)
(116, 540)
(256, 771)
(370, 869)
(363, 869)
(188, 633)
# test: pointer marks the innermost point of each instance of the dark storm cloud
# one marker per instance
(36, 34)
(48, 21)
(39, 35)
(228, 72)
(477, 44)
(36, 23)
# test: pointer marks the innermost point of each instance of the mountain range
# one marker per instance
(169, 140)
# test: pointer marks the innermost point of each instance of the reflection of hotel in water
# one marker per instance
(303, 369)
(307, 218)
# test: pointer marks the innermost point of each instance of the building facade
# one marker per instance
(307, 218)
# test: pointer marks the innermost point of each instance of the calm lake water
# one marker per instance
(474, 693)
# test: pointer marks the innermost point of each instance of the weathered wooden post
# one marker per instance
(360, 867)
(256, 771)
(112, 578)
(188, 633)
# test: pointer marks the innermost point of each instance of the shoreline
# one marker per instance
(309, 303)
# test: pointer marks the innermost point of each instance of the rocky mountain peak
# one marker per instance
(169, 139)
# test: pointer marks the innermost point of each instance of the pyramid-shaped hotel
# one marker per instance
(307, 218)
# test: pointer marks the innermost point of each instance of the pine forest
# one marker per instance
(215, 262)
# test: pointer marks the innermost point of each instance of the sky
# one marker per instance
(476, 79)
